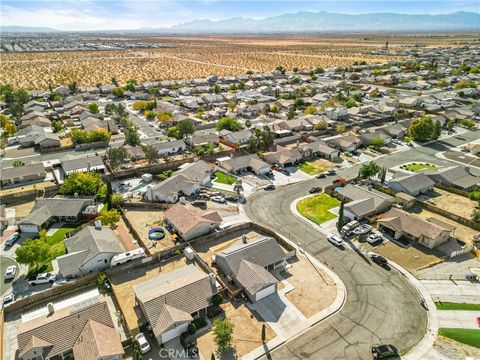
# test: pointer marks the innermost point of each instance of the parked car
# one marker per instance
(43, 278)
(321, 176)
(8, 299)
(331, 172)
(380, 260)
(383, 351)
(12, 239)
(339, 182)
(270, 187)
(374, 238)
(349, 227)
(335, 240)
(60, 282)
(142, 343)
(315, 189)
(362, 229)
(423, 302)
(10, 272)
(218, 199)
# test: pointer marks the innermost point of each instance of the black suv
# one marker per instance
(383, 351)
(380, 260)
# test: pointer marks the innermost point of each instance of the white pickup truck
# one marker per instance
(44, 278)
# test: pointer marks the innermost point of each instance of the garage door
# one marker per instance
(265, 292)
(173, 333)
(29, 229)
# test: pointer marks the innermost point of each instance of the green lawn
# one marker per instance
(457, 306)
(417, 167)
(464, 336)
(310, 168)
(223, 178)
(316, 207)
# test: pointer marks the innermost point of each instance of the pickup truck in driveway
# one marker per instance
(43, 278)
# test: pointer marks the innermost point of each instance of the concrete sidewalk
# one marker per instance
(458, 319)
(453, 291)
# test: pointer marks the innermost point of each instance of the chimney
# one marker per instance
(212, 279)
(98, 225)
(50, 308)
(244, 238)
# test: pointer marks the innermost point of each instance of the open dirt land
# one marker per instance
(37, 186)
(412, 259)
(125, 236)
(247, 333)
(191, 57)
(454, 203)
(461, 232)
(143, 221)
(314, 289)
(123, 283)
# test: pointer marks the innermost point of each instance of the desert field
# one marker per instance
(193, 57)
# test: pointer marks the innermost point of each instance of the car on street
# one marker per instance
(10, 272)
(8, 299)
(43, 278)
(380, 260)
(362, 229)
(321, 176)
(270, 187)
(374, 238)
(315, 189)
(331, 172)
(340, 182)
(335, 240)
(383, 351)
(218, 199)
(60, 282)
(142, 343)
(12, 239)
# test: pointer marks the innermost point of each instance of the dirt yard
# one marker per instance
(122, 284)
(314, 289)
(38, 186)
(247, 333)
(461, 232)
(23, 209)
(454, 203)
(143, 221)
(125, 236)
(412, 259)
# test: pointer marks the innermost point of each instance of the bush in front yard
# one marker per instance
(217, 299)
(192, 328)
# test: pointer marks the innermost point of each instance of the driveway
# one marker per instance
(453, 291)
(282, 316)
(458, 319)
(5, 262)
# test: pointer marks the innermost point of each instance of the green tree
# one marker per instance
(117, 200)
(118, 92)
(322, 125)
(291, 113)
(383, 174)
(32, 252)
(475, 195)
(476, 215)
(18, 163)
(468, 123)
(264, 333)
(109, 217)
(340, 128)
(248, 123)
(376, 142)
(350, 103)
(93, 107)
(73, 86)
(340, 216)
(310, 110)
(110, 108)
(228, 123)
(217, 299)
(150, 114)
(185, 127)
(117, 156)
(450, 125)
(165, 117)
(217, 89)
(85, 184)
(131, 136)
(223, 333)
(422, 129)
(369, 169)
(151, 153)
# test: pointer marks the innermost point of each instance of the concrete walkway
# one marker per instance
(458, 319)
(453, 291)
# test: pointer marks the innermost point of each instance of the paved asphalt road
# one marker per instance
(381, 306)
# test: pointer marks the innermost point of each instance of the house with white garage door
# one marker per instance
(172, 300)
(248, 264)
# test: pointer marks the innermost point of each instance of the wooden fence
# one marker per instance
(467, 222)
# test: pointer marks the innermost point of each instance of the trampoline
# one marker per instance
(156, 234)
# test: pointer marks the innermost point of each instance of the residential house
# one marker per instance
(395, 131)
(170, 147)
(319, 149)
(367, 137)
(172, 300)
(84, 329)
(186, 181)
(88, 251)
(191, 222)
(401, 224)
(346, 143)
(237, 137)
(47, 140)
(456, 176)
(134, 153)
(283, 156)
(411, 184)
(248, 265)
(82, 164)
(22, 174)
(247, 163)
(363, 203)
(91, 123)
(201, 139)
(48, 211)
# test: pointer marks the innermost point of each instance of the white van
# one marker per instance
(349, 227)
(125, 257)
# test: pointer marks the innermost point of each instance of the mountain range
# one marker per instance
(310, 22)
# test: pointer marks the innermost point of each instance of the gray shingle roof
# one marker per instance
(168, 317)
(25, 170)
(254, 277)
(414, 182)
(81, 163)
(241, 162)
(44, 209)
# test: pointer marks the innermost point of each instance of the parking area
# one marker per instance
(456, 204)
(123, 282)
(145, 220)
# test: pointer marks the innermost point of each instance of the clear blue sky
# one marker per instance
(107, 14)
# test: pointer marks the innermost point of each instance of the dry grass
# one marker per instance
(456, 204)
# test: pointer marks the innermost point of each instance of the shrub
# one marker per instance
(217, 299)
(192, 328)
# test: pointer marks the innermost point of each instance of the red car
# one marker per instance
(478, 321)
